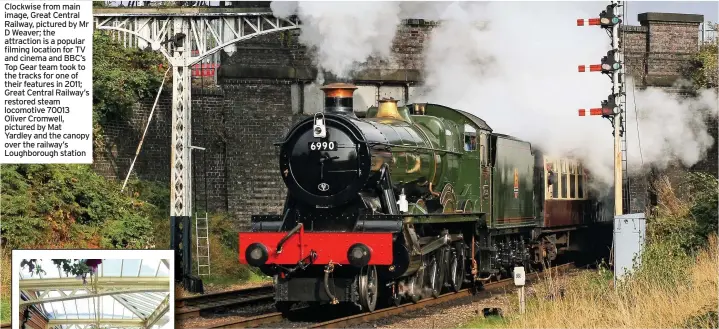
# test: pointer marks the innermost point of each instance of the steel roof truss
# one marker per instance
(127, 306)
(159, 312)
(106, 292)
(141, 309)
(108, 323)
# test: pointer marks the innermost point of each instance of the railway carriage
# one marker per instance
(410, 201)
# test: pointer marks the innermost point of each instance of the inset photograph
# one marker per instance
(123, 289)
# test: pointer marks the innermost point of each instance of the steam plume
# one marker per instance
(494, 59)
(344, 34)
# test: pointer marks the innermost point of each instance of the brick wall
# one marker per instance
(261, 95)
(655, 55)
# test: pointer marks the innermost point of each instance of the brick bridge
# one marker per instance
(266, 85)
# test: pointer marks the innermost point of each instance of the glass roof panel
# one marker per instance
(131, 267)
(109, 306)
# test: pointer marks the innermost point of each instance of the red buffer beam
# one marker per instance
(590, 68)
(588, 21)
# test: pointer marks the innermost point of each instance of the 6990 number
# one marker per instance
(323, 146)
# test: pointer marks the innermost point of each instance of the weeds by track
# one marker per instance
(343, 322)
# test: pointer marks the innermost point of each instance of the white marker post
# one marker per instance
(519, 282)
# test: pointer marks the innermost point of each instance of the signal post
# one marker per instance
(611, 108)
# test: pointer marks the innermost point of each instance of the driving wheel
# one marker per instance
(368, 288)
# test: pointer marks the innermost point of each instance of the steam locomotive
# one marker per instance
(411, 201)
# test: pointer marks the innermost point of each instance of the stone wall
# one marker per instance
(266, 85)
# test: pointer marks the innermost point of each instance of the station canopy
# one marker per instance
(124, 293)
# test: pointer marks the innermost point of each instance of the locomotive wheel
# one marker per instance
(417, 285)
(435, 280)
(457, 267)
(368, 288)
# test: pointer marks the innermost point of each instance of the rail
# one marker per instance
(190, 307)
(344, 322)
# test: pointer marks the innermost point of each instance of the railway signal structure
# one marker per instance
(612, 108)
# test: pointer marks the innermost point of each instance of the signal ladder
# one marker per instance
(625, 166)
(202, 232)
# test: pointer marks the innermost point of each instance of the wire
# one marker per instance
(636, 119)
(149, 119)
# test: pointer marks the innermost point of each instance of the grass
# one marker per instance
(645, 300)
(676, 285)
(489, 322)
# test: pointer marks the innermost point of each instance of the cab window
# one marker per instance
(470, 138)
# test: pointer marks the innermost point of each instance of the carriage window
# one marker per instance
(572, 186)
(580, 186)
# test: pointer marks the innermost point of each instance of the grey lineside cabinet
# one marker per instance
(629, 236)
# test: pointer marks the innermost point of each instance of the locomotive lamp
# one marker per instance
(319, 130)
(359, 255)
(403, 204)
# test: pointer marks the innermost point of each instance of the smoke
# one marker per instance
(514, 64)
(344, 34)
(669, 127)
(521, 77)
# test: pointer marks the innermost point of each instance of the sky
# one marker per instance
(710, 9)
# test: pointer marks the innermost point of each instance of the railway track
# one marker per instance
(190, 307)
(343, 322)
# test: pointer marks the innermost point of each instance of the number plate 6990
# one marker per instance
(323, 146)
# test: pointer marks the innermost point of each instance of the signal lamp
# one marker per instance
(611, 61)
(607, 18)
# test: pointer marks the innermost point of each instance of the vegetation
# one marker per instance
(122, 76)
(69, 206)
(702, 68)
(675, 286)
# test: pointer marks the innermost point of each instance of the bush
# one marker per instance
(70, 206)
(685, 221)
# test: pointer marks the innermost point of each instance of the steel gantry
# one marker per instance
(185, 36)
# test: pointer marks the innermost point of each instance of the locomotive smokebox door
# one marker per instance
(519, 276)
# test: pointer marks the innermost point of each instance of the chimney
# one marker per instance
(338, 98)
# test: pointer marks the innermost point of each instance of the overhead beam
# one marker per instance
(102, 282)
(128, 306)
(112, 323)
(106, 286)
(159, 312)
(98, 294)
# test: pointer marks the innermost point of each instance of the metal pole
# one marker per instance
(616, 89)
(181, 124)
